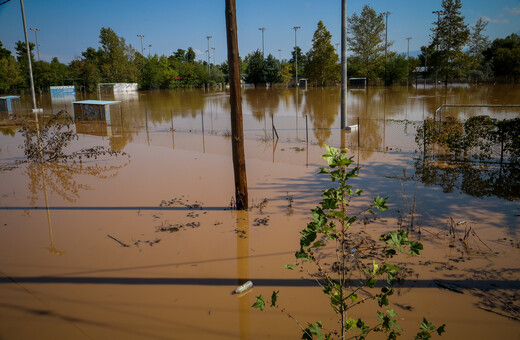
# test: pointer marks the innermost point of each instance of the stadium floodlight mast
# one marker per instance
(141, 36)
(386, 34)
(263, 30)
(149, 50)
(280, 51)
(214, 59)
(409, 38)
(296, 28)
(209, 49)
(36, 30)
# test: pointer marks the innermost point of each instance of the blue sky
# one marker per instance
(68, 27)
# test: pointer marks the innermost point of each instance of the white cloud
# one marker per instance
(495, 21)
(514, 10)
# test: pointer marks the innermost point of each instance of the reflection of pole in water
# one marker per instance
(296, 89)
(51, 248)
(146, 123)
(307, 139)
(384, 122)
(242, 223)
(173, 137)
(203, 141)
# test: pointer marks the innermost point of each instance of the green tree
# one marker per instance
(302, 61)
(116, 57)
(286, 72)
(450, 35)
(397, 68)
(87, 68)
(157, 73)
(190, 55)
(478, 43)
(180, 55)
(255, 68)
(10, 74)
(366, 41)
(4, 52)
(21, 51)
(504, 56)
(322, 66)
(272, 69)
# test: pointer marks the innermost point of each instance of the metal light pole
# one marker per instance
(409, 38)
(280, 51)
(141, 36)
(386, 37)
(296, 28)
(36, 37)
(214, 60)
(29, 60)
(437, 41)
(149, 50)
(344, 78)
(262, 29)
(208, 37)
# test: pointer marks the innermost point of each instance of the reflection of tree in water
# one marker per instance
(262, 102)
(322, 106)
(50, 166)
(369, 107)
(472, 179)
(61, 178)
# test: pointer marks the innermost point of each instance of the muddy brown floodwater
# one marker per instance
(143, 245)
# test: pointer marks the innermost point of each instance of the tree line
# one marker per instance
(456, 50)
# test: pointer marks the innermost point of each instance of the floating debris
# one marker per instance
(246, 286)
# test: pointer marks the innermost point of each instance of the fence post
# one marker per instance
(306, 129)
(424, 140)
(501, 144)
(358, 133)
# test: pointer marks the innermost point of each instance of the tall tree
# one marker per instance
(322, 65)
(478, 43)
(272, 69)
(302, 61)
(190, 55)
(4, 52)
(450, 35)
(117, 58)
(10, 74)
(366, 41)
(504, 56)
(255, 68)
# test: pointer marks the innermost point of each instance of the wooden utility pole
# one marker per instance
(237, 132)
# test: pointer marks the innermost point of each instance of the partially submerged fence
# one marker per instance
(479, 138)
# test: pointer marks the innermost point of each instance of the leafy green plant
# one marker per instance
(352, 278)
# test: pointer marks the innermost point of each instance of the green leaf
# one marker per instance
(441, 329)
(318, 244)
(380, 203)
(358, 192)
(274, 298)
(350, 324)
(353, 297)
(289, 266)
(391, 312)
(415, 248)
(427, 326)
(260, 303)
(302, 255)
(371, 282)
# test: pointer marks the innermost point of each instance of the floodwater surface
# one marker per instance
(140, 241)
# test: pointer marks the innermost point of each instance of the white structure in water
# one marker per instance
(117, 87)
